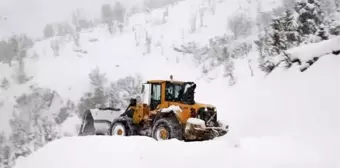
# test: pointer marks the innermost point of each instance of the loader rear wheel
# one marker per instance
(167, 128)
(119, 129)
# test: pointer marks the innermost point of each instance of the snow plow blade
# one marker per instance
(98, 121)
(197, 131)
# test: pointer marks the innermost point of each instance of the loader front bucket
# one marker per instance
(87, 126)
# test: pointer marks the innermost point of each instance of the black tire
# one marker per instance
(171, 125)
(119, 125)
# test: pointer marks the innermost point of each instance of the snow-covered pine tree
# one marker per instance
(262, 46)
(280, 36)
(277, 38)
(331, 25)
(310, 18)
(290, 27)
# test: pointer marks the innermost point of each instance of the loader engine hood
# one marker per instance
(202, 105)
(207, 113)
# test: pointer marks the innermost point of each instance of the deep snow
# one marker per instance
(290, 119)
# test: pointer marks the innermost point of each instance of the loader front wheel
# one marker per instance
(119, 129)
(167, 128)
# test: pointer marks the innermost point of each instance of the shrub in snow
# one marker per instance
(212, 6)
(153, 4)
(4, 83)
(117, 94)
(130, 85)
(7, 52)
(79, 20)
(111, 14)
(20, 44)
(57, 29)
(55, 45)
(229, 68)
(147, 44)
(92, 40)
(106, 15)
(65, 111)
(201, 10)
(48, 31)
(97, 96)
(118, 12)
(33, 123)
(241, 50)
(5, 152)
(192, 23)
(240, 24)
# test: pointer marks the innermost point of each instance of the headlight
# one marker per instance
(215, 110)
(206, 109)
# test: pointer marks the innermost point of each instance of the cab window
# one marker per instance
(173, 92)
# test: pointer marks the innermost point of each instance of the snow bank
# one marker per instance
(310, 51)
(105, 152)
(71, 126)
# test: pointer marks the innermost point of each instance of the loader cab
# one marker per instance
(152, 94)
(181, 92)
(155, 93)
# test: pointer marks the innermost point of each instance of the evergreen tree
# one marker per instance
(280, 36)
(310, 17)
(284, 33)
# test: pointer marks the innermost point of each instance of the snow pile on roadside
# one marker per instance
(71, 126)
(105, 152)
(289, 102)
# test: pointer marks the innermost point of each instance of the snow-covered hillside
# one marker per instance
(287, 118)
(118, 56)
(282, 121)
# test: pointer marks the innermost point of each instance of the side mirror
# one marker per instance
(143, 87)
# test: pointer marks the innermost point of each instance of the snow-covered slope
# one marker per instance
(290, 119)
(117, 55)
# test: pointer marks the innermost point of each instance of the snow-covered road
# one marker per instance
(108, 152)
